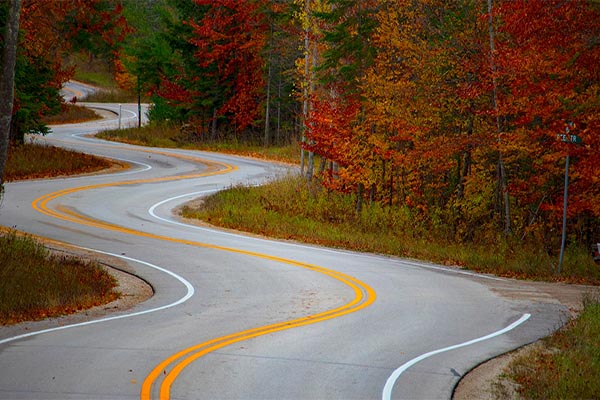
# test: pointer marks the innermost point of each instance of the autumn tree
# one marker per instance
(49, 30)
(346, 56)
(280, 54)
(229, 40)
(453, 111)
(548, 80)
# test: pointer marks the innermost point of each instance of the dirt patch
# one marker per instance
(486, 382)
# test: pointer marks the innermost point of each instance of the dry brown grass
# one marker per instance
(31, 161)
(36, 284)
(72, 114)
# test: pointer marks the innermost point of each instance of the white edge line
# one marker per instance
(189, 287)
(389, 385)
(155, 206)
(147, 167)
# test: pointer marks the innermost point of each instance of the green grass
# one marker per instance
(567, 365)
(99, 72)
(290, 208)
(110, 95)
(36, 284)
(95, 71)
(28, 161)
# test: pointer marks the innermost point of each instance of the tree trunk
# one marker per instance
(310, 168)
(465, 168)
(359, 197)
(213, 125)
(306, 87)
(278, 130)
(7, 80)
(268, 105)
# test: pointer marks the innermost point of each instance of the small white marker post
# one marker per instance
(120, 109)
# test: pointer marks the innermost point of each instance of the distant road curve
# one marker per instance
(77, 90)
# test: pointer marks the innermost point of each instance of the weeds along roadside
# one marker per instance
(565, 365)
(34, 160)
(292, 209)
(164, 135)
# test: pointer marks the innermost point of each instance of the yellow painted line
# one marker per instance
(359, 302)
(364, 295)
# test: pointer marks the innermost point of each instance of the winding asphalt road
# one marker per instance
(239, 317)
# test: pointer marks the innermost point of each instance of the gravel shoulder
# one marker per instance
(485, 382)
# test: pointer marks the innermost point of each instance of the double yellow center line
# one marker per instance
(169, 369)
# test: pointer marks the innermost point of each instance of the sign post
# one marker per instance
(567, 137)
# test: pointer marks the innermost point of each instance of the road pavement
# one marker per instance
(241, 317)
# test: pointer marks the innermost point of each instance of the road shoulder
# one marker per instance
(486, 381)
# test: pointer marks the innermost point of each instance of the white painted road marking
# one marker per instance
(389, 385)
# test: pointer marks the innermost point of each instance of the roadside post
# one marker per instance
(120, 113)
(566, 137)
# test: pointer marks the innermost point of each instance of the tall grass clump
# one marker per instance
(32, 160)
(292, 208)
(35, 283)
(567, 364)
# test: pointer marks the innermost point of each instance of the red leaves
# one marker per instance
(50, 27)
(545, 71)
(230, 38)
(329, 130)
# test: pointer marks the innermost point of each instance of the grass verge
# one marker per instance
(567, 364)
(168, 136)
(32, 161)
(36, 284)
(290, 208)
(71, 114)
